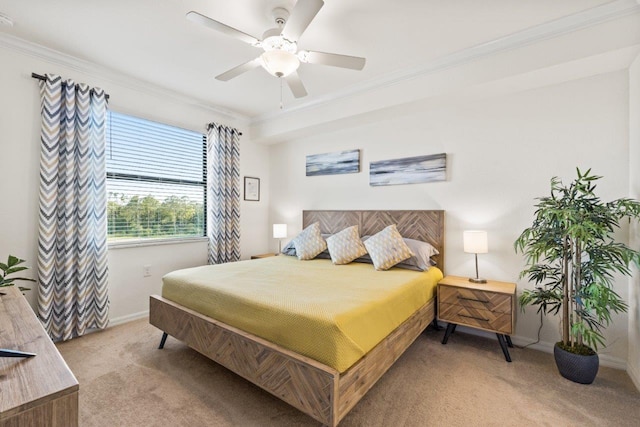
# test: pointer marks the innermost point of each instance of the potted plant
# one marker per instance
(12, 266)
(573, 259)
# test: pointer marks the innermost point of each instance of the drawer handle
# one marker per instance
(474, 299)
(473, 317)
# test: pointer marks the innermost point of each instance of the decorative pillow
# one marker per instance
(420, 261)
(289, 249)
(387, 248)
(346, 246)
(422, 253)
(309, 242)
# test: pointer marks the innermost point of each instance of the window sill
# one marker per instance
(135, 243)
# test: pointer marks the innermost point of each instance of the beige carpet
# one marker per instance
(126, 381)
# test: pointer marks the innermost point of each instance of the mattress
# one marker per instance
(331, 313)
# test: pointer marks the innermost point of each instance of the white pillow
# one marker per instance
(345, 246)
(387, 248)
(309, 242)
(422, 253)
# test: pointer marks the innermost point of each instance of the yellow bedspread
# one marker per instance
(331, 313)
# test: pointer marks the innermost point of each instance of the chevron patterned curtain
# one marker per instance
(223, 195)
(72, 242)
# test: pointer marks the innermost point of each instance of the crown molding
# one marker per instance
(121, 79)
(587, 18)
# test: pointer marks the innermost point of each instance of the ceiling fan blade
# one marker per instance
(301, 16)
(295, 84)
(219, 26)
(242, 68)
(333, 59)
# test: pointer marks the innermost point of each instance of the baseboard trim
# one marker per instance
(547, 347)
(128, 318)
(634, 375)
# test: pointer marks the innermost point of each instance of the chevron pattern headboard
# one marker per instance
(427, 226)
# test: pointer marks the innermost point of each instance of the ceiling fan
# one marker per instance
(281, 57)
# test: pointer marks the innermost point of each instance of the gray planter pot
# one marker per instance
(575, 367)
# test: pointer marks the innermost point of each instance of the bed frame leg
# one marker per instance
(163, 340)
(435, 326)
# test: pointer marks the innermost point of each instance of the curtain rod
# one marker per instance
(43, 78)
(210, 125)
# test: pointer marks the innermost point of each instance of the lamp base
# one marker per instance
(477, 280)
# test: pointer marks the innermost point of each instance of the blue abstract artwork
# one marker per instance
(409, 170)
(333, 163)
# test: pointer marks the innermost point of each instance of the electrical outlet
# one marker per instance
(146, 270)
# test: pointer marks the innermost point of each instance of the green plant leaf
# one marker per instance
(12, 267)
(14, 261)
(12, 270)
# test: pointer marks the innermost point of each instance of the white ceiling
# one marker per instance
(152, 41)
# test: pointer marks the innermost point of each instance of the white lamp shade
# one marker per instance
(475, 242)
(279, 63)
(279, 231)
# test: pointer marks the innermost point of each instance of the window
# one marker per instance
(156, 179)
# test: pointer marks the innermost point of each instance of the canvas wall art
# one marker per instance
(338, 162)
(409, 170)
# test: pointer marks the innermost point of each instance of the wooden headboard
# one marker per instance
(427, 226)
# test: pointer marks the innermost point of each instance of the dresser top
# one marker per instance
(491, 285)
(25, 383)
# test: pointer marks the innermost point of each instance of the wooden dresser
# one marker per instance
(488, 306)
(39, 391)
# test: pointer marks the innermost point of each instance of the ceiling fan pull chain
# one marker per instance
(281, 104)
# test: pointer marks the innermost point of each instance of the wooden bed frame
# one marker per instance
(314, 388)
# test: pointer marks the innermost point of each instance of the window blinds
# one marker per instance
(156, 179)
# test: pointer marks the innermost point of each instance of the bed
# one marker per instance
(322, 389)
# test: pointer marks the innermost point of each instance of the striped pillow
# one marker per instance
(387, 248)
(346, 246)
(309, 242)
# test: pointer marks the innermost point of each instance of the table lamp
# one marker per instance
(279, 232)
(475, 242)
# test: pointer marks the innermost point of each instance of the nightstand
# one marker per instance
(263, 255)
(487, 306)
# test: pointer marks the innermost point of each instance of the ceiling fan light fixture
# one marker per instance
(278, 42)
(281, 57)
(279, 63)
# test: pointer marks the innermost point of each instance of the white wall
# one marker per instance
(634, 175)
(19, 179)
(501, 154)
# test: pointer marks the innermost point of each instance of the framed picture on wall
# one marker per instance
(252, 189)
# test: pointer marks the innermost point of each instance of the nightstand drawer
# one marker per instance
(479, 318)
(476, 299)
